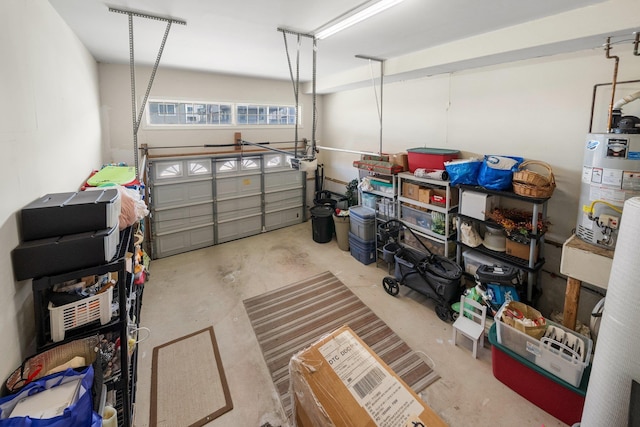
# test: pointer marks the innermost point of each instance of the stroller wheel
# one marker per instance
(390, 285)
(443, 313)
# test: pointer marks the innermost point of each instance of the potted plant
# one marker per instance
(352, 193)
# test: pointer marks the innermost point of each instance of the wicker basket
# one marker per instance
(527, 176)
(39, 365)
(537, 192)
(533, 184)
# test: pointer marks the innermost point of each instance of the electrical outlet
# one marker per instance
(609, 221)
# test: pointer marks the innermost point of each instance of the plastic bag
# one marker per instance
(79, 414)
(463, 171)
(496, 172)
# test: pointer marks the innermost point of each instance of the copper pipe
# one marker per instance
(613, 87)
(593, 99)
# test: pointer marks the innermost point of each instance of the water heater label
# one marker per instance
(592, 145)
(610, 195)
(631, 181)
(612, 177)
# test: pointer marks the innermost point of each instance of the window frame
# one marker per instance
(187, 108)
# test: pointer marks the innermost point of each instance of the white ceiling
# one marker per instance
(241, 37)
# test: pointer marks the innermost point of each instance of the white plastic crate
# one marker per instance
(560, 361)
(70, 316)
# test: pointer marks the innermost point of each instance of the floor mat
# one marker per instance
(291, 318)
(188, 385)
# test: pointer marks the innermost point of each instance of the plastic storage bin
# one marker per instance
(538, 386)
(435, 246)
(70, 316)
(369, 200)
(416, 217)
(430, 158)
(473, 260)
(383, 187)
(363, 223)
(363, 251)
(560, 361)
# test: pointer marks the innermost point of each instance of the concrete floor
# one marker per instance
(191, 291)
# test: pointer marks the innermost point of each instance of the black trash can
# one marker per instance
(322, 223)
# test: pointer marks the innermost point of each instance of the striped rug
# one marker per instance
(291, 318)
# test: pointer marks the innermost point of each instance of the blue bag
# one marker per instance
(463, 171)
(79, 414)
(496, 172)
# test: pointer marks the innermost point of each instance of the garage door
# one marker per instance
(200, 202)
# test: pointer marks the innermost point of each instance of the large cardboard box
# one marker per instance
(411, 191)
(340, 381)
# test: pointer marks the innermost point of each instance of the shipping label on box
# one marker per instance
(386, 401)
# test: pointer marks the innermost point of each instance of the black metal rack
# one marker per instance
(531, 266)
(122, 381)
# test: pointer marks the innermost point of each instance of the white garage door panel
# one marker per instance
(282, 180)
(237, 229)
(182, 193)
(283, 199)
(183, 217)
(283, 218)
(183, 241)
(232, 186)
(235, 208)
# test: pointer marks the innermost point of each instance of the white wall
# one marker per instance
(115, 90)
(49, 140)
(538, 109)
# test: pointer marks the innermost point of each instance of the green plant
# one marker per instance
(352, 192)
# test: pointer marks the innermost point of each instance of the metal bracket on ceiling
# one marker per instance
(137, 116)
(296, 84)
(378, 103)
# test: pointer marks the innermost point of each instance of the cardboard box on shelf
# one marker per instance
(339, 380)
(439, 197)
(520, 250)
(410, 190)
(424, 195)
(401, 159)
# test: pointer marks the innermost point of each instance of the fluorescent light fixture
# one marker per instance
(360, 16)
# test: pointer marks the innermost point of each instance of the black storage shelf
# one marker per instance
(122, 382)
(531, 267)
(494, 224)
(511, 260)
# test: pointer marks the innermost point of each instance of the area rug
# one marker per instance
(291, 318)
(188, 385)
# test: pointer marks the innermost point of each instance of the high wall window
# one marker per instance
(187, 114)
(252, 114)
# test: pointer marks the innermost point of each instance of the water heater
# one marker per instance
(610, 175)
